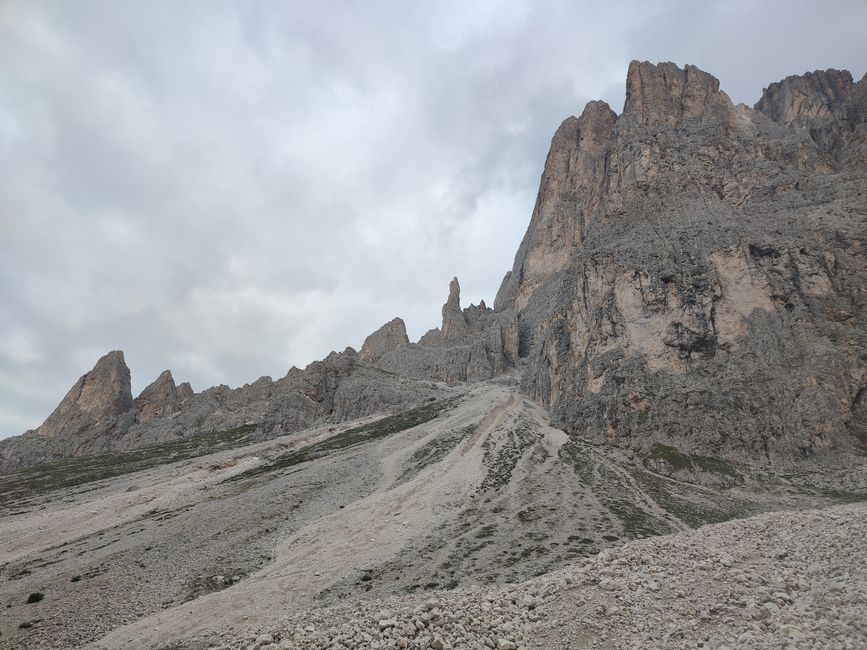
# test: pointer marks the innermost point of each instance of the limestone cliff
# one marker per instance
(828, 105)
(694, 271)
(99, 404)
(387, 338)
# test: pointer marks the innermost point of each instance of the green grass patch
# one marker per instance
(578, 457)
(636, 522)
(680, 460)
(700, 507)
(501, 459)
(350, 438)
(72, 472)
(486, 531)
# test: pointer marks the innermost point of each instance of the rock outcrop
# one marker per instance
(696, 276)
(473, 344)
(185, 391)
(159, 399)
(99, 404)
(387, 338)
(97, 411)
(828, 104)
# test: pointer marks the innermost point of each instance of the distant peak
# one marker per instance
(115, 357)
(455, 288)
(797, 99)
(454, 323)
(387, 338)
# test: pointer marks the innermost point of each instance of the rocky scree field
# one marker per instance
(174, 545)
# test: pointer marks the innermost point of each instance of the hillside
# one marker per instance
(175, 541)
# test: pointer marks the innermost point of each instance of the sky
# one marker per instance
(227, 189)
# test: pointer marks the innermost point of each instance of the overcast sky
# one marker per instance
(230, 189)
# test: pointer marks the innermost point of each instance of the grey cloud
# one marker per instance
(230, 189)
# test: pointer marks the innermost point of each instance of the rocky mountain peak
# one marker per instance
(96, 401)
(595, 125)
(387, 338)
(672, 246)
(454, 323)
(665, 93)
(800, 99)
(159, 398)
(185, 391)
(828, 105)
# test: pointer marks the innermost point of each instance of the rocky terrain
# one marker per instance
(774, 581)
(99, 415)
(655, 438)
(185, 545)
(694, 271)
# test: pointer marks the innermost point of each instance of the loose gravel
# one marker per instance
(782, 580)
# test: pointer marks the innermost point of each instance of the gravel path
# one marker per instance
(781, 580)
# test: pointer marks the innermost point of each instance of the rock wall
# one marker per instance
(160, 398)
(98, 404)
(696, 277)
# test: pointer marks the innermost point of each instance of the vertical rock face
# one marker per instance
(666, 94)
(159, 399)
(683, 254)
(570, 191)
(387, 338)
(185, 391)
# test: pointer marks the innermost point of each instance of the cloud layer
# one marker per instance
(228, 189)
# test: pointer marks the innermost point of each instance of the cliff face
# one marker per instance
(160, 398)
(694, 271)
(828, 105)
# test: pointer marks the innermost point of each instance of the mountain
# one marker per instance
(692, 275)
(680, 343)
(389, 374)
(694, 271)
